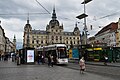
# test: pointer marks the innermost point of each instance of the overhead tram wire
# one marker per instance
(19, 14)
(109, 15)
(42, 6)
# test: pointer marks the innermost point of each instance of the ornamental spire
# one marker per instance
(28, 19)
(54, 14)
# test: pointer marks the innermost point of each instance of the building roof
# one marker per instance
(68, 33)
(2, 30)
(112, 27)
(39, 32)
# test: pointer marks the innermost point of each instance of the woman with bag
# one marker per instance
(82, 65)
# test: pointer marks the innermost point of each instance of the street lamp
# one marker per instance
(84, 15)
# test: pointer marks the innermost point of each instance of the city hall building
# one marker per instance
(54, 34)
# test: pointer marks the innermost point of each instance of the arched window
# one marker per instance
(60, 37)
(52, 37)
(56, 37)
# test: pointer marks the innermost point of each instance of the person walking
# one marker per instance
(105, 60)
(82, 65)
(49, 60)
(39, 58)
(52, 62)
(42, 59)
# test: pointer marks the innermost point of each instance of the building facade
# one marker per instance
(2, 40)
(109, 35)
(118, 34)
(54, 34)
(6, 46)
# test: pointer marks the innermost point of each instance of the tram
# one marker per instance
(58, 51)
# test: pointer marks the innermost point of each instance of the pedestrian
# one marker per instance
(49, 60)
(105, 60)
(82, 65)
(42, 59)
(2, 57)
(52, 62)
(39, 58)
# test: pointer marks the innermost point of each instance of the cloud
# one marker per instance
(66, 11)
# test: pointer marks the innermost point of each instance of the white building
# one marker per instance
(107, 35)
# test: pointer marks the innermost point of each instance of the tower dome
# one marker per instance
(54, 21)
(27, 26)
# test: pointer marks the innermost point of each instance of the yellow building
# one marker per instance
(54, 34)
(118, 34)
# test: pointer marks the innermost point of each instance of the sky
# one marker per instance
(14, 14)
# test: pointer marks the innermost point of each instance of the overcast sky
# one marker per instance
(100, 13)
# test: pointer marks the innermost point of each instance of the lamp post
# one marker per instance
(84, 15)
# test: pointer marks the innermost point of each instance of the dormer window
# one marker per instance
(52, 26)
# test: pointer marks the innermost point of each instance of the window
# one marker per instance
(60, 37)
(52, 27)
(67, 42)
(56, 37)
(42, 41)
(33, 41)
(52, 37)
(37, 41)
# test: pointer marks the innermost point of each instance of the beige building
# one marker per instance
(10, 47)
(118, 34)
(2, 40)
(53, 34)
(6, 46)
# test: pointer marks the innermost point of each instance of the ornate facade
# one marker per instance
(6, 46)
(54, 34)
(2, 40)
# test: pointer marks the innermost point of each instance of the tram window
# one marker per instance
(62, 52)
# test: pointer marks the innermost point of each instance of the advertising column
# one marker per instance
(30, 56)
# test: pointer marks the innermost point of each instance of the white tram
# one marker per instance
(58, 51)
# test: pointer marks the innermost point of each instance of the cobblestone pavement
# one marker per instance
(10, 71)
